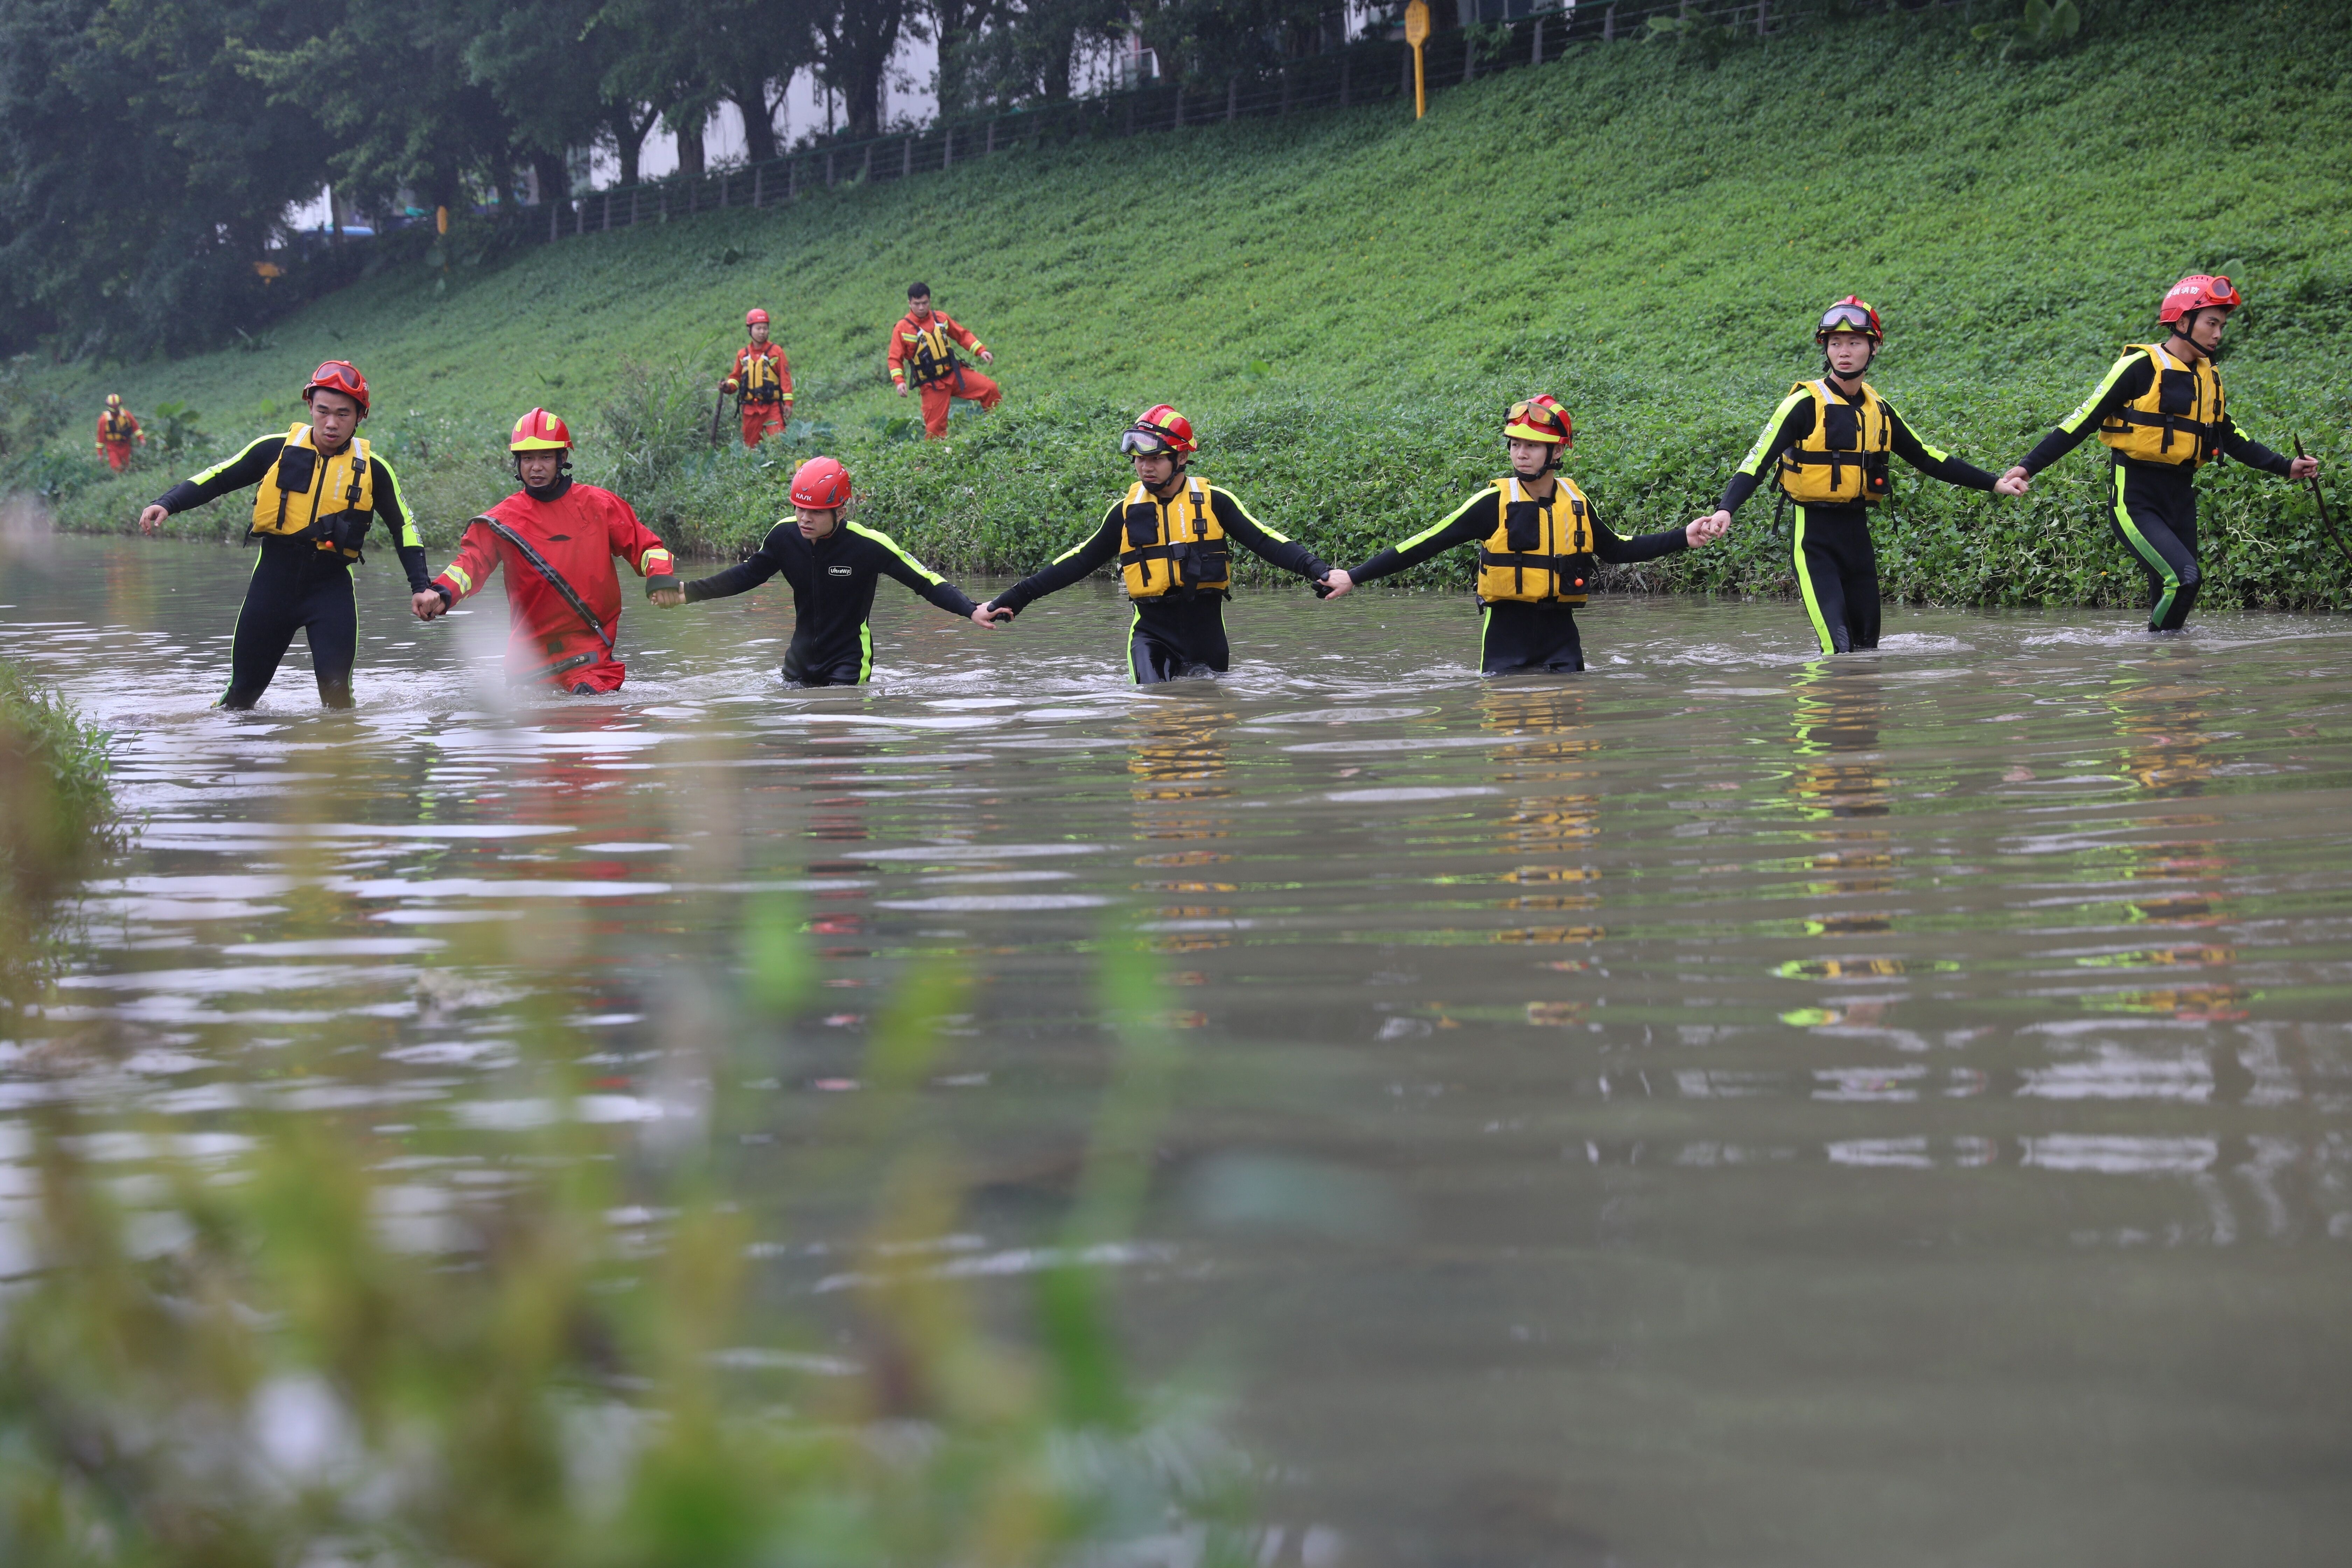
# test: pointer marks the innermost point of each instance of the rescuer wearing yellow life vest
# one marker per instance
(117, 428)
(1539, 542)
(1828, 444)
(319, 491)
(1174, 535)
(2162, 412)
(923, 346)
(762, 381)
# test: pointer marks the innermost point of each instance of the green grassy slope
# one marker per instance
(1646, 237)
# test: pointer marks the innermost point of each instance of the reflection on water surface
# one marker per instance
(1725, 1108)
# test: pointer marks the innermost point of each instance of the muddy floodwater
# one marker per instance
(1725, 1108)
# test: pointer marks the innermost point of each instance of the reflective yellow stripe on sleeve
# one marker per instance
(457, 573)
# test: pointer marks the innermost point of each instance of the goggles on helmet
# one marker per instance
(1145, 440)
(1849, 318)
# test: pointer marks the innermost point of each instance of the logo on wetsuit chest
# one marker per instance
(837, 571)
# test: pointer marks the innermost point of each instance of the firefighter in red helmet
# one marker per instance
(1172, 535)
(117, 428)
(923, 348)
(1827, 446)
(831, 565)
(761, 382)
(1540, 544)
(317, 490)
(2162, 413)
(556, 540)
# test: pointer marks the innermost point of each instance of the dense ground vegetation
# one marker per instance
(56, 811)
(1344, 303)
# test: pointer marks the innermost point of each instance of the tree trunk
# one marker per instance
(690, 161)
(554, 180)
(759, 112)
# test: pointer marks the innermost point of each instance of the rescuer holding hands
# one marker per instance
(317, 489)
(1539, 546)
(2160, 411)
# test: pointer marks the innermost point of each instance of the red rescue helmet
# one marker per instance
(1852, 314)
(114, 400)
(1540, 418)
(2198, 292)
(755, 317)
(821, 482)
(540, 431)
(1161, 429)
(338, 376)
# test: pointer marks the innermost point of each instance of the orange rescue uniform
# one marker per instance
(766, 387)
(116, 430)
(577, 530)
(937, 331)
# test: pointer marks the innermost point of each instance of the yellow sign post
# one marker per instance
(1416, 33)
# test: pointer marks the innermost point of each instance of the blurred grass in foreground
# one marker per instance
(252, 1351)
(56, 816)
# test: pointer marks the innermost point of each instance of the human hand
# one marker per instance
(152, 518)
(1707, 529)
(667, 598)
(1334, 583)
(987, 358)
(2012, 483)
(981, 617)
(902, 388)
(428, 605)
(2301, 468)
(993, 614)
(726, 386)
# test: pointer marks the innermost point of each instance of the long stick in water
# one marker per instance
(716, 410)
(2317, 495)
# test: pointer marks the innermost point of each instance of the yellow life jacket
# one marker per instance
(117, 424)
(934, 352)
(1843, 461)
(1173, 546)
(761, 384)
(2178, 421)
(310, 494)
(1541, 550)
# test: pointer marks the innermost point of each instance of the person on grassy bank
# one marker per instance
(833, 565)
(117, 428)
(1173, 534)
(762, 383)
(557, 541)
(923, 345)
(319, 489)
(2162, 413)
(1829, 442)
(1538, 541)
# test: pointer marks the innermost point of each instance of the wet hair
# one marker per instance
(917, 290)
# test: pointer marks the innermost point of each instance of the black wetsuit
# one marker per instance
(296, 586)
(1516, 634)
(1837, 566)
(1182, 633)
(2151, 506)
(833, 595)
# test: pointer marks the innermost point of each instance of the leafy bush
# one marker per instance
(58, 816)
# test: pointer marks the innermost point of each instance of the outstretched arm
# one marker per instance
(2128, 378)
(1077, 563)
(1473, 520)
(1934, 462)
(896, 564)
(740, 578)
(246, 469)
(1273, 548)
(2254, 455)
(477, 557)
(1790, 423)
(393, 508)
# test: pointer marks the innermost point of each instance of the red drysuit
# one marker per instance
(577, 532)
